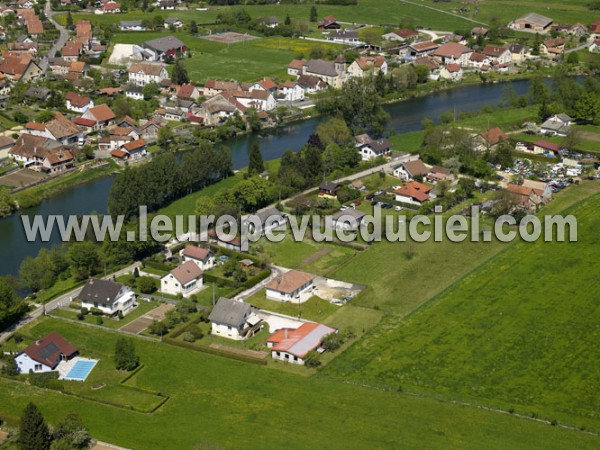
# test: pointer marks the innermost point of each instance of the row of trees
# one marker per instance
(166, 178)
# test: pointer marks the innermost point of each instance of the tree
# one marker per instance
(180, 74)
(312, 359)
(573, 58)
(205, 206)
(125, 356)
(34, 433)
(253, 119)
(44, 116)
(146, 285)
(19, 117)
(69, 21)
(10, 368)
(588, 106)
(165, 135)
(84, 258)
(572, 139)
(334, 131)
(150, 90)
(193, 27)
(7, 203)
(71, 433)
(313, 13)
(287, 20)
(255, 165)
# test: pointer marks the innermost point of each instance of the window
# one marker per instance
(38, 367)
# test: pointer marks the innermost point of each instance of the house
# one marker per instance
(368, 66)
(265, 220)
(532, 22)
(58, 161)
(528, 197)
(291, 91)
(546, 147)
(233, 320)
(101, 114)
(185, 279)
(594, 46)
(135, 92)
(329, 23)
(290, 286)
(167, 4)
(6, 143)
(131, 25)
(188, 92)
(479, 31)
(410, 170)
(372, 148)
(578, 30)
(149, 130)
(295, 67)
(266, 84)
(76, 70)
(402, 35)
(71, 51)
(331, 72)
(345, 37)
(45, 354)
(112, 8)
(214, 87)
(349, 219)
(219, 108)
(173, 22)
(78, 103)
(144, 73)
(517, 52)
(501, 55)
(135, 149)
(439, 173)
(30, 149)
(164, 47)
(20, 68)
(37, 94)
(35, 27)
(261, 100)
(202, 257)
(489, 139)
(478, 60)
(557, 125)
(63, 130)
(311, 84)
(595, 30)
(59, 66)
(453, 53)
(412, 192)
(292, 345)
(553, 47)
(420, 49)
(108, 296)
(327, 189)
(269, 22)
(451, 72)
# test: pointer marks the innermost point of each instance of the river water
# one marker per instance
(92, 197)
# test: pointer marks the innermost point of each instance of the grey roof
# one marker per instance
(100, 291)
(270, 211)
(328, 186)
(515, 48)
(321, 67)
(380, 145)
(354, 213)
(131, 23)
(564, 117)
(555, 125)
(164, 44)
(537, 18)
(136, 89)
(229, 312)
(37, 92)
(344, 34)
(172, 20)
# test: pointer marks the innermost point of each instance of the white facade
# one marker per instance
(274, 294)
(141, 78)
(226, 331)
(124, 302)
(169, 284)
(80, 109)
(292, 94)
(207, 264)
(25, 364)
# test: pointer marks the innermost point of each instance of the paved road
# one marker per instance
(60, 42)
(58, 301)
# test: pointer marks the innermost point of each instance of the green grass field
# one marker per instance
(215, 400)
(519, 331)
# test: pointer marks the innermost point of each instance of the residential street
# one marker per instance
(58, 301)
(60, 42)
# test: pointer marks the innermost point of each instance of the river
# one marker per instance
(92, 197)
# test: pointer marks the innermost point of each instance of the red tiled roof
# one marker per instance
(134, 145)
(84, 122)
(35, 126)
(290, 281)
(102, 113)
(451, 50)
(415, 190)
(296, 64)
(119, 153)
(300, 341)
(453, 68)
(493, 135)
(186, 272)
(405, 33)
(548, 145)
(199, 253)
(77, 100)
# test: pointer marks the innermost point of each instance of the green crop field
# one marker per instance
(214, 401)
(520, 331)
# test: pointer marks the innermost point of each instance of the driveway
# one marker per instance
(60, 42)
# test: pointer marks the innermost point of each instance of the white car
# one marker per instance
(398, 208)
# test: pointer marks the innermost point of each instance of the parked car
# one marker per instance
(398, 208)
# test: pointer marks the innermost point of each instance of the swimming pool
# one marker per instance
(81, 369)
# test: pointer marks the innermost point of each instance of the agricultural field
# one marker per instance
(517, 332)
(232, 399)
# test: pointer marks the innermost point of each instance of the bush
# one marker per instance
(17, 338)
(84, 311)
(80, 316)
(75, 305)
(146, 285)
(99, 320)
(96, 311)
(188, 337)
(312, 359)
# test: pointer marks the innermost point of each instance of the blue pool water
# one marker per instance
(81, 370)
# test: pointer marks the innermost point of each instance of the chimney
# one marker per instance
(285, 333)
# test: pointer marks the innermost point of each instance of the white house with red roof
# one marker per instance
(291, 286)
(451, 72)
(45, 354)
(291, 91)
(78, 103)
(368, 66)
(131, 150)
(292, 345)
(185, 279)
(413, 192)
(202, 257)
(401, 35)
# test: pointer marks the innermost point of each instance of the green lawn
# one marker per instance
(142, 309)
(215, 400)
(520, 331)
(314, 308)
(315, 257)
(586, 146)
